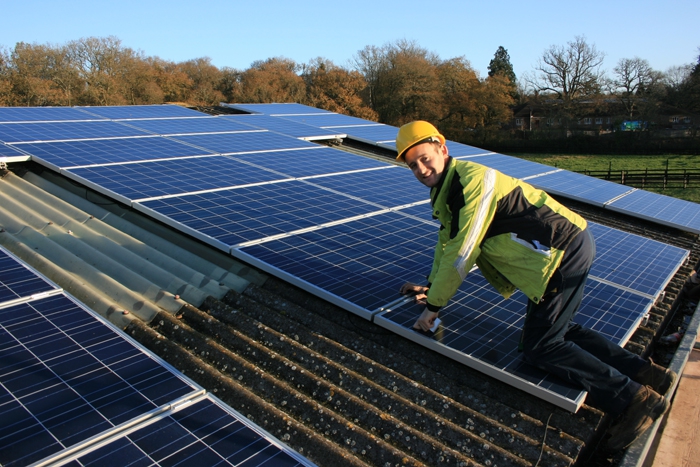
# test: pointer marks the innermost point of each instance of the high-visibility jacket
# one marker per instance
(514, 232)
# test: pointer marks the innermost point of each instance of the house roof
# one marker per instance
(334, 386)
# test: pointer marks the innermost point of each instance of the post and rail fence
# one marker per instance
(650, 178)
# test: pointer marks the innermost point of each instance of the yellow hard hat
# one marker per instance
(415, 133)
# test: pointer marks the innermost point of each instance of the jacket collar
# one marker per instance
(434, 191)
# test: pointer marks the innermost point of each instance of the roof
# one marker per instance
(332, 385)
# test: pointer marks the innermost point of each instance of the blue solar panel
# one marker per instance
(678, 213)
(310, 162)
(229, 217)
(141, 111)
(66, 154)
(482, 330)
(66, 376)
(277, 108)
(579, 187)
(43, 114)
(255, 141)
(181, 126)
(286, 127)
(131, 182)
(372, 133)
(17, 281)
(511, 166)
(391, 187)
(202, 434)
(10, 152)
(633, 261)
(329, 120)
(54, 131)
(459, 149)
(363, 262)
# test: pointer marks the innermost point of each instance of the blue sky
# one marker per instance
(236, 33)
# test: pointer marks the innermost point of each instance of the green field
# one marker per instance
(579, 163)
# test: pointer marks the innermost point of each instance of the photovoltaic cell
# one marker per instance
(286, 127)
(373, 133)
(159, 178)
(459, 149)
(327, 121)
(482, 330)
(363, 262)
(117, 112)
(66, 376)
(17, 281)
(390, 187)
(277, 108)
(181, 126)
(43, 114)
(310, 162)
(205, 433)
(238, 215)
(632, 261)
(511, 166)
(255, 141)
(10, 152)
(678, 213)
(53, 131)
(67, 154)
(580, 187)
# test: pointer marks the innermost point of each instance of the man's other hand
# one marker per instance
(418, 291)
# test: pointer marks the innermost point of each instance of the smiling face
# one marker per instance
(427, 161)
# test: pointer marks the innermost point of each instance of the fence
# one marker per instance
(650, 178)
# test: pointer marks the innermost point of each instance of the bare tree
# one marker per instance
(570, 72)
(636, 84)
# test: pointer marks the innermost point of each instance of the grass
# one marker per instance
(579, 163)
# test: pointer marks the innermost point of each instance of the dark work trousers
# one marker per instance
(553, 342)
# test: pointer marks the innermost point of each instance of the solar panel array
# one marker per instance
(70, 383)
(348, 228)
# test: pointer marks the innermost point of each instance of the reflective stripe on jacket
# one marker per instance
(514, 232)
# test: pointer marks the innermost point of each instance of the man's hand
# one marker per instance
(418, 291)
(426, 320)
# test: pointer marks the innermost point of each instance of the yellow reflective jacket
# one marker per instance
(514, 232)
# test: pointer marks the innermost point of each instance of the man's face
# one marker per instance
(427, 161)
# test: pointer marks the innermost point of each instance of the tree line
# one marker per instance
(393, 84)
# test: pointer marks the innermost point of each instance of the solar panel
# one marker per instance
(390, 187)
(181, 126)
(10, 154)
(678, 213)
(67, 154)
(141, 111)
(482, 330)
(634, 262)
(66, 375)
(358, 265)
(579, 187)
(203, 433)
(459, 149)
(255, 141)
(310, 162)
(43, 114)
(53, 131)
(132, 182)
(373, 133)
(19, 282)
(286, 127)
(229, 217)
(327, 120)
(277, 108)
(511, 166)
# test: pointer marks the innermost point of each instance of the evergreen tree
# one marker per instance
(500, 65)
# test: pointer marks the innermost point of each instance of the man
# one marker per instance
(523, 239)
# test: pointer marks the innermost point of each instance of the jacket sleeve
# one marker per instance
(458, 254)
